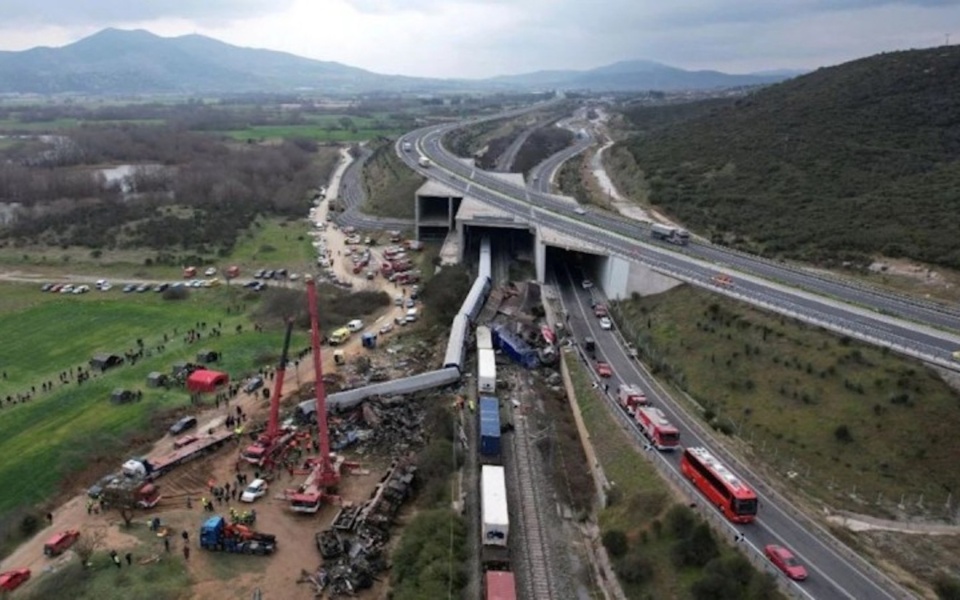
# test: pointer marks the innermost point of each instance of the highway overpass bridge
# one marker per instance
(442, 209)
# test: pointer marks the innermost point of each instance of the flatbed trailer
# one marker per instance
(155, 466)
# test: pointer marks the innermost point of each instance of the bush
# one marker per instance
(697, 549)
(615, 541)
(947, 588)
(424, 565)
(176, 293)
(635, 568)
(843, 435)
(680, 521)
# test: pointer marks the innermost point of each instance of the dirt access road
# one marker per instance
(217, 575)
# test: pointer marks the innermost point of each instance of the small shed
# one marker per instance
(206, 381)
(105, 361)
(205, 357)
(369, 340)
(157, 379)
(122, 396)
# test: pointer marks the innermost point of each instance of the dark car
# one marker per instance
(96, 489)
(161, 287)
(259, 274)
(254, 384)
(183, 425)
(130, 287)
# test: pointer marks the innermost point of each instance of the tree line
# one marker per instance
(202, 193)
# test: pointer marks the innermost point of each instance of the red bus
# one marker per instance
(725, 490)
(499, 585)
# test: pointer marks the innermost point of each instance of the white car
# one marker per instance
(606, 323)
(386, 328)
(587, 284)
(256, 489)
(210, 272)
(579, 211)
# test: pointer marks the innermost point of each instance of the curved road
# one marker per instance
(353, 196)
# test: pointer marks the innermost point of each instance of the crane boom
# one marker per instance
(273, 426)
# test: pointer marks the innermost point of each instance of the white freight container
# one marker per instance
(495, 518)
(484, 338)
(486, 370)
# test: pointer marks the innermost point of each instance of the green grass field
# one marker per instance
(841, 416)
(59, 431)
(276, 243)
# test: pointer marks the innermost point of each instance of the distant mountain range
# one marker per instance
(116, 61)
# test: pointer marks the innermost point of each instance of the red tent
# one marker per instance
(203, 380)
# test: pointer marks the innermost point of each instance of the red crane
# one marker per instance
(325, 474)
(273, 443)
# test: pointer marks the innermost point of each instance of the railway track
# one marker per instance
(538, 579)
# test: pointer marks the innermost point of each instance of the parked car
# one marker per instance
(182, 425)
(603, 369)
(411, 303)
(579, 211)
(46, 287)
(386, 328)
(606, 323)
(96, 489)
(210, 272)
(130, 287)
(143, 287)
(259, 274)
(784, 560)
(355, 325)
(11, 580)
(255, 383)
(161, 287)
(60, 542)
(256, 489)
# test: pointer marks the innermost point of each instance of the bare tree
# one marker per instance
(90, 541)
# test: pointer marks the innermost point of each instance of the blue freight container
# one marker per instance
(489, 426)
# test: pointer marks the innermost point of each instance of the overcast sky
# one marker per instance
(479, 38)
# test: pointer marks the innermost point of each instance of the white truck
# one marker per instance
(495, 518)
(486, 370)
(424, 161)
(669, 233)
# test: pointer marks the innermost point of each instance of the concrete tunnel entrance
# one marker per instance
(512, 252)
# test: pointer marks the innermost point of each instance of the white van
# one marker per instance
(411, 315)
(355, 325)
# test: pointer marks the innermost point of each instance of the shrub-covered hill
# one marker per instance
(840, 164)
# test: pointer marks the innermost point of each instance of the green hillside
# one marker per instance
(839, 165)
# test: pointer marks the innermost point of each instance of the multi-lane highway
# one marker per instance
(919, 329)
(833, 574)
(862, 312)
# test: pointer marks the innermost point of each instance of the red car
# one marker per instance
(603, 369)
(60, 542)
(784, 560)
(11, 580)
